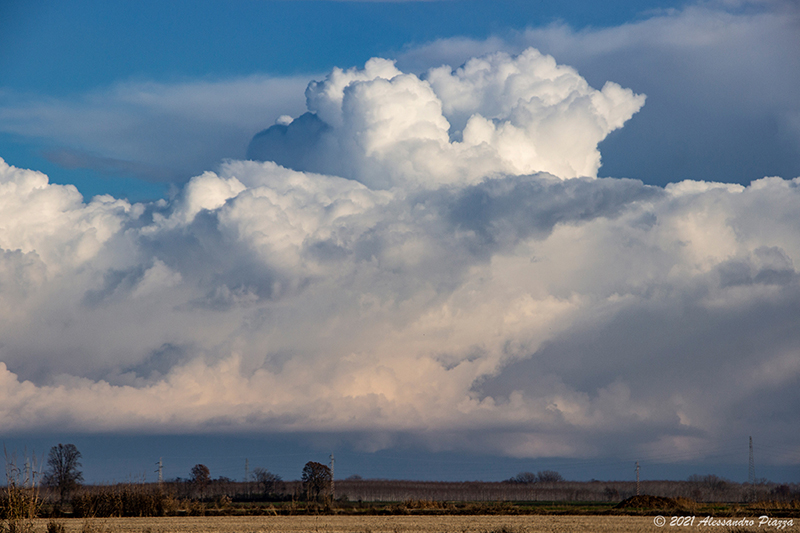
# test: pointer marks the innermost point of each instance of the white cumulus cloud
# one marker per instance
(432, 286)
(720, 79)
(496, 114)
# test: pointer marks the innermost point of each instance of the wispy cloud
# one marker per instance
(163, 132)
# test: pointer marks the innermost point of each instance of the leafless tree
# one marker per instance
(62, 472)
(524, 477)
(542, 476)
(270, 483)
(548, 476)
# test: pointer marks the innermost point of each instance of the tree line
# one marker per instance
(63, 474)
(64, 477)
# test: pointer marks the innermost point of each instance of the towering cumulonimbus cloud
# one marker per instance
(425, 284)
(497, 114)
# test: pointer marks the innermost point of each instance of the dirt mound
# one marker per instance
(648, 502)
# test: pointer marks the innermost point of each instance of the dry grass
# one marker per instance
(20, 502)
(360, 524)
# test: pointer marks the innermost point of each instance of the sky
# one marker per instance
(452, 239)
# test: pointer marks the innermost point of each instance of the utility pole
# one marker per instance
(160, 470)
(247, 476)
(637, 478)
(751, 473)
(333, 488)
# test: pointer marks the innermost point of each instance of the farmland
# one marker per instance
(528, 503)
(360, 524)
(640, 513)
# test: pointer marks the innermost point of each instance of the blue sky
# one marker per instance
(534, 235)
(62, 48)
(65, 50)
(75, 55)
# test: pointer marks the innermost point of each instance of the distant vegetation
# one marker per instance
(543, 476)
(62, 472)
(62, 495)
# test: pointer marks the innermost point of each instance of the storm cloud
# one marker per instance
(434, 256)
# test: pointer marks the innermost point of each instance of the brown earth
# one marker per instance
(648, 502)
(358, 524)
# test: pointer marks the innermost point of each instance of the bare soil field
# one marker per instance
(372, 524)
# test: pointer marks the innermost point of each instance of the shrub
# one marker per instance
(130, 500)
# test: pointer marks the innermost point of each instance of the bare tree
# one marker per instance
(714, 485)
(316, 480)
(542, 476)
(270, 483)
(524, 477)
(201, 478)
(62, 472)
(548, 476)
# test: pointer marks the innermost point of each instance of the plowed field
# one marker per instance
(370, 524)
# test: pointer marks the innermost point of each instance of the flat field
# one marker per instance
(365, 524)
